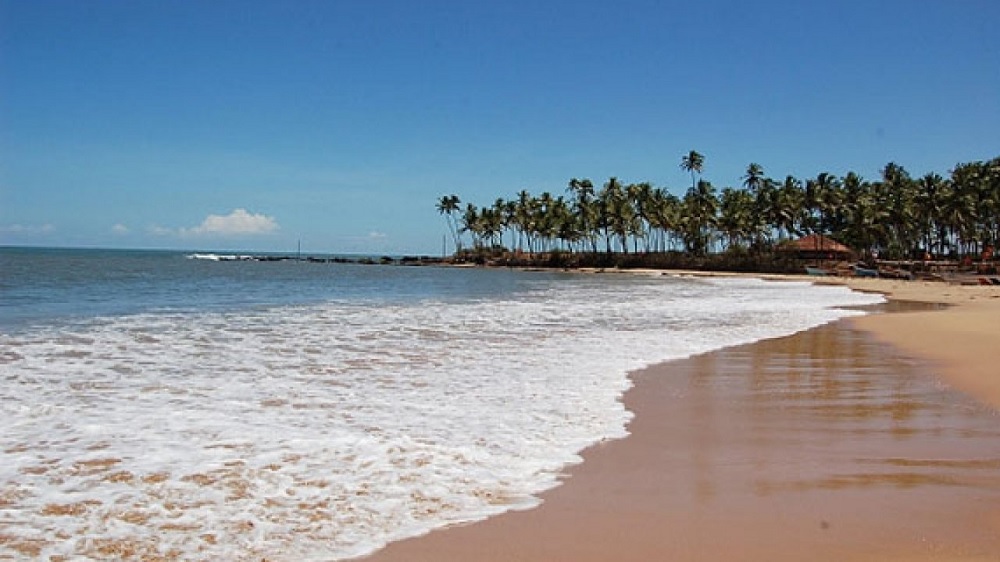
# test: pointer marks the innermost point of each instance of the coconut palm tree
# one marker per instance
(975, 204)
(700, 208)
(641, 195)
(564, 224)
(736, 216)
(693, 162)
(861, 217)
(471, 223)
(897, 195)
(665, 216)
(754, 177)
(991, 190)
(448, 205)
(765, 213)
(500, 215)
(618, 213)
(586, 209)
(790, 208)
(491, 226)
(895, 214)
(931, 191)
(830, 211)
(523, 219)
(544, 220)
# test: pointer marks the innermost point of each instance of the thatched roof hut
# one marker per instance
(817, 247)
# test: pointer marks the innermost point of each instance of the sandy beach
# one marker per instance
(961, 341)
(875, 438)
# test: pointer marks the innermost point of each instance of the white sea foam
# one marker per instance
(322, 432)
(220, 257)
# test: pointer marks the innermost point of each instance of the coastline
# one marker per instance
(746, 453)
(957, 339)
(961, 342)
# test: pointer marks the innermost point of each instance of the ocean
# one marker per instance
(155, 404)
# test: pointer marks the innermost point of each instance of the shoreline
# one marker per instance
(642, 498)
(958, 342)
(952, 338)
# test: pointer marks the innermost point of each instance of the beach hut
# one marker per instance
(817, 247)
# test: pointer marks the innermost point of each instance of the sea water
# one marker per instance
(158, 405)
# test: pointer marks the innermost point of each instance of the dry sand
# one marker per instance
(826, 445)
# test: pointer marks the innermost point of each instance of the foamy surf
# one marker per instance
(322, 432)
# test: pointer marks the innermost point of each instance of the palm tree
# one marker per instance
(618, 213)
(641, 195)
(491, 226)
(693, 162)
(862, 217)
(700, 207)
(472, 223)
(974, 211)
(829, 201)
(754, 177)
(929, 199)
(896, 214)
(586, 209)
(501, 216)
(665, 215)
(523, 218)
(821, 199)
(448, 206)
(736, 220)
(987, 204)
(991, 200)
(565, 224)
(897, 192)
(544, 220)
(767, 219)
(790, 207)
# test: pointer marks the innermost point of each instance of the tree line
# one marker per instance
(895, 216)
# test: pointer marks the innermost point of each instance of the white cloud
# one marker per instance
(120, 229)
(238, 222)
(377, 235)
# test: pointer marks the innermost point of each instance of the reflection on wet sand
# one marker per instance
(831, 426)
(861, 411)
(826, 445)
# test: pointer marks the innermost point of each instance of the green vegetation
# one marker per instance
(894, 217)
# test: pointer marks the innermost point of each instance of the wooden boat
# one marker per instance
(928, 276)
(887, 273)
(864, 272)
(816, 271)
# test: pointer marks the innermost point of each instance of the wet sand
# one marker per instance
(825, 445)
(962, 342)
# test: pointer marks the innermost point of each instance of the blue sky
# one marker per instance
(251, 125)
